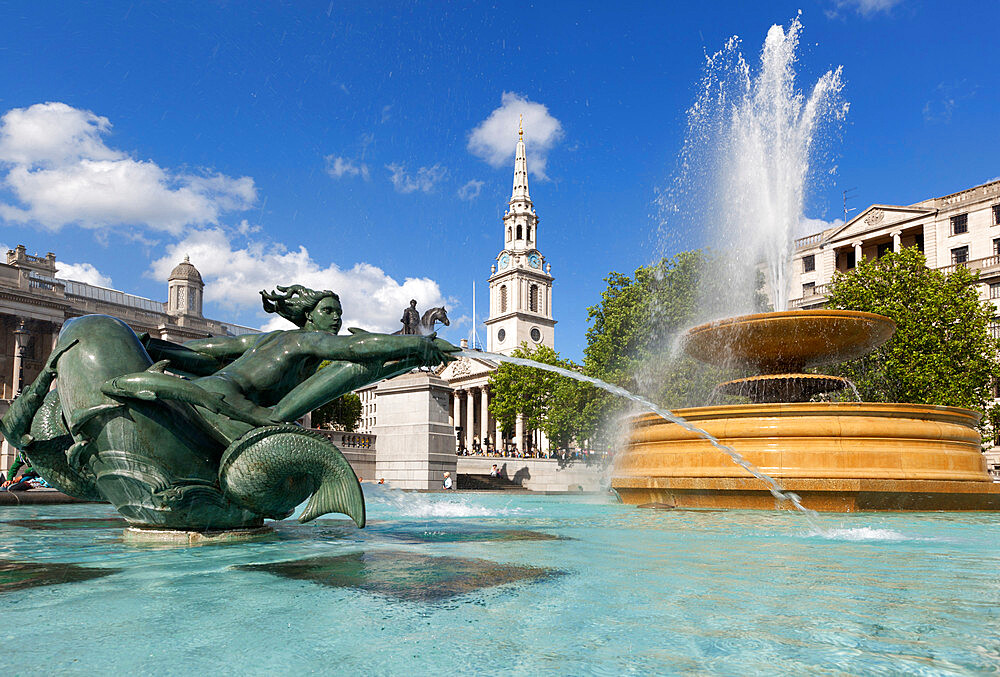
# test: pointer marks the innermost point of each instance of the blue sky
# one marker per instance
(329, 143)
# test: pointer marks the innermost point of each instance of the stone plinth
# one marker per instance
(836, 456)
(416, 444)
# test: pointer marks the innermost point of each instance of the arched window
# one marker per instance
(533, 298)
(529, 233)
(508, 232)
(503, 298)
(519, 231)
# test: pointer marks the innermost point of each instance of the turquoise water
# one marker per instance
(483, 583)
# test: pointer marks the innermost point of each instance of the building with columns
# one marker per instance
(34, 303)
(520, 312)
(961, 229)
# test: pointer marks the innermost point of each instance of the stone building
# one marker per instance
(34, 303)
(961, 229)
(520, 312)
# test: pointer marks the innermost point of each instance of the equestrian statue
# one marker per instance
(202, 436)
(416, 324)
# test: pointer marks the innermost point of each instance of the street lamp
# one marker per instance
(21, 335)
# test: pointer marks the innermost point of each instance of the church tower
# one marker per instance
(520, 280)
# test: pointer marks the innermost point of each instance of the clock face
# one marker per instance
(501, 335)
(504, 261)
(536, 335)
(535, 261)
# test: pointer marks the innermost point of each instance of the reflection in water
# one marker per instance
(22, 575)
(405, 575)
(69, 523)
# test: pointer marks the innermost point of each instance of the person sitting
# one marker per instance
(21, 476)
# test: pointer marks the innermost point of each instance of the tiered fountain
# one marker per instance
(837, 456)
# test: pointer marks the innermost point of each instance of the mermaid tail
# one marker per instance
(272, 469)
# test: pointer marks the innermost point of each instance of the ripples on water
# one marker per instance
(518, 584)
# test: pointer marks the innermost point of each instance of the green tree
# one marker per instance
(632, 338)
(942, 351)
(343, 413)
(548, 401)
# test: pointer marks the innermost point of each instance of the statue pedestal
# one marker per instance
(417, 446)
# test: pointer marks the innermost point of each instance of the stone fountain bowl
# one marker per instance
(773, 343)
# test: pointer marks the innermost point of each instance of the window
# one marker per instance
(848, 258)
(809, 289)
(996, 246)
(809, 263)
(529, 232)
(533, 298)
(995, 290)
(918, 241)
(503, 299)
(960, 224)
(960, 255)
(508, 233)
(995, 328)
(882, 249)
(519, 231)
(996, 215)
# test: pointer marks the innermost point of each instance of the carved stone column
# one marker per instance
(519, 433)
(897, 241)
(858, 255)
(484, 415)
(470, 418)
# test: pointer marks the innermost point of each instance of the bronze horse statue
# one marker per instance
(429, 319)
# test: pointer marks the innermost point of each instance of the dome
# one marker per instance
(185, 270)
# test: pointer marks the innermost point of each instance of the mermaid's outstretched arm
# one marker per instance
(356, 363)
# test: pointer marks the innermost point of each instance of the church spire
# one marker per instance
(520, 192)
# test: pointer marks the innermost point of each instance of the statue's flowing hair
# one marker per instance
(295, 302)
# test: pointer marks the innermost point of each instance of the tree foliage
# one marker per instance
(548, 401)
(942, 351)
(343, 413)
(634, 331)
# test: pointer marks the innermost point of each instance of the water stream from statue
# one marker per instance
(776, 490)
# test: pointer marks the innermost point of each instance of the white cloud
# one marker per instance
(495, 138)
(866, 7)
(82, 272)
(60, 171)
(809, 226)
(339, 167)
(424, 180)
(471, 190)
(233, 276)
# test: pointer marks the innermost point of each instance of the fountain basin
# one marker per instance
(773, 343)
(838, 456)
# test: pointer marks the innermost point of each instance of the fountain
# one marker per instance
(837, 456)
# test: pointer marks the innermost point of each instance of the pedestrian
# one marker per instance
(447, 480)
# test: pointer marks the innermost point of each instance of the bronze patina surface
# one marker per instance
(202, 436)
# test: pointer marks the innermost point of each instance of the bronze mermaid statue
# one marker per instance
(202, 435)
